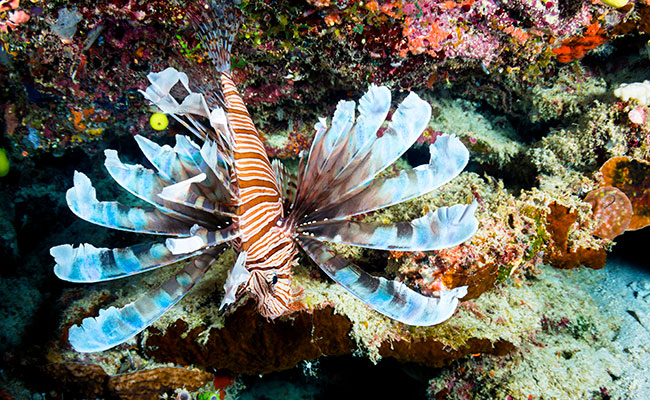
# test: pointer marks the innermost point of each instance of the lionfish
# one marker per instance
(225, 193)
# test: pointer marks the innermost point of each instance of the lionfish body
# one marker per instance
(226, 193)
(268, 247)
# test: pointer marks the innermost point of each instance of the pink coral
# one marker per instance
(612, 210)
(15, 18)
(18, 17)
(478, 29)
(638, 115)
(6, 5)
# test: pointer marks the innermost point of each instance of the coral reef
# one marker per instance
(289, 58)
(534, 89)
(576, 48)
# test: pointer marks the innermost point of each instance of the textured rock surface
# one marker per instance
(559, 222)
(91, 381)
(249, 344)
(435, 354)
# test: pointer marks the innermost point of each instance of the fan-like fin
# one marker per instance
(238, 275)
(194, 103)
(323, 147)
(188, 193)
(87, 263)
(159, 94)
(373, 109)
(220, 165)
(391, 298)
(405, 127)
(216, 26)
(286, 182)
(147, 185)
(114, 325)
(448, 158)
(189, 155)
(202, 238)
(136, 179)
(341, 125)
(185, 161)
(82, 200)
(358, 154)
(161, 84)
(444, 228)
(163, 158)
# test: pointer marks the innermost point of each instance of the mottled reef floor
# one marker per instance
(620, 291)
(624, 292)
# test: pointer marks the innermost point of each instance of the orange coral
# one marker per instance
(521, 35)
(391, 8)
(449, 5)
(632, 177)
(332, 19)
(372, 6)
(576, 48)
(558, 223)
(77, 117)
(612, 209)
(422, 38)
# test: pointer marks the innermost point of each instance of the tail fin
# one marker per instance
(216, 24)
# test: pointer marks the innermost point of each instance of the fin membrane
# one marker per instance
(444, 228)
(448, 158)
(82, 201)
(86, 263)
(114, 326)
(391, 298)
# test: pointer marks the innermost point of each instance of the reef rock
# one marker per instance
(93, 381)
(561, 254)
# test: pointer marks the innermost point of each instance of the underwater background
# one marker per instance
(550, 97)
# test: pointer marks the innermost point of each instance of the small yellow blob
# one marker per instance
(158, 121)
(4, 163)
(615, 3)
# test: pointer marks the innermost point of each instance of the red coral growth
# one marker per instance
(632, 177)
(4, 395)
(576, 48)
(462, 265)
(612, 209)
(558, 223)
(11, 19)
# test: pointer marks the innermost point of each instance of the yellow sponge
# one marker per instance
(615, 3)
(4, 163)
(158, 121)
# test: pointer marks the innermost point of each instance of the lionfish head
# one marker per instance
(273, 292)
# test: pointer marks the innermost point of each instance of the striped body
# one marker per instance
(270, 249)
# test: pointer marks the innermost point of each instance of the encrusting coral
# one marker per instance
(632, 177)
(612, 211)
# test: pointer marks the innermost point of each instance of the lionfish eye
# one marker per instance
(274, 279)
